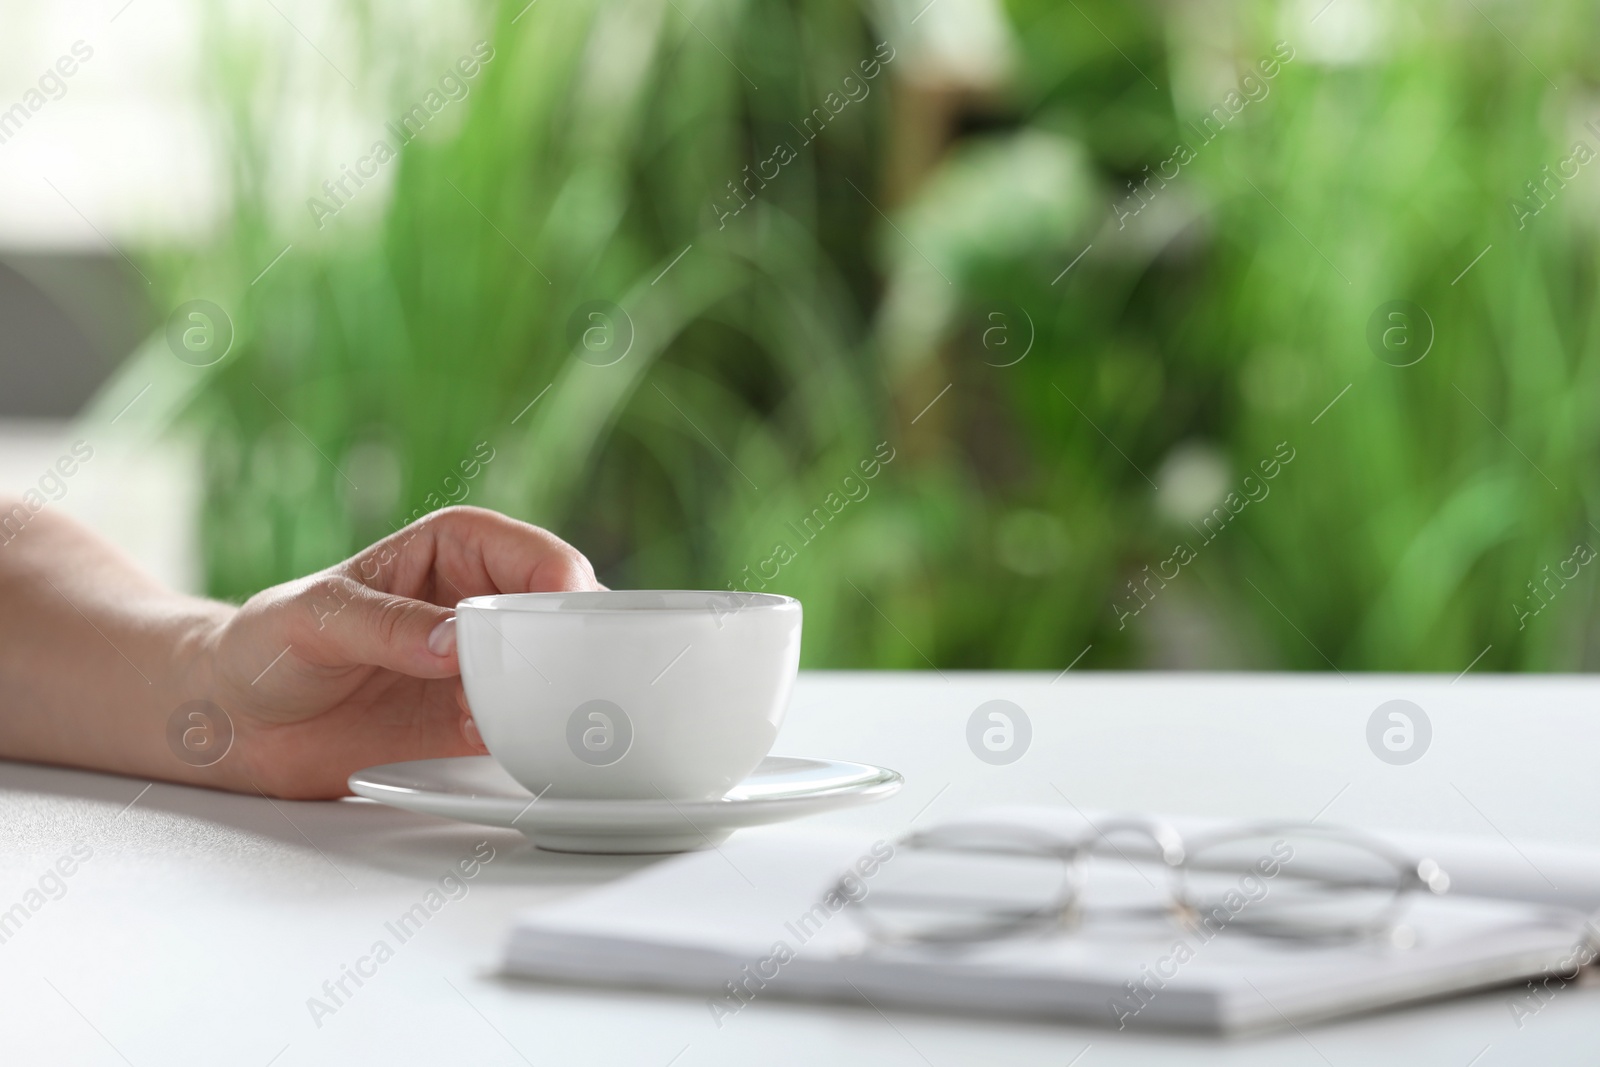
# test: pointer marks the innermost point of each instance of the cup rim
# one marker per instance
(550, 603)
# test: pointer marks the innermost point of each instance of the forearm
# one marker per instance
(315, 678)
(95, 655)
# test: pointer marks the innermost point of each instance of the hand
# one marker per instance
(356, 665)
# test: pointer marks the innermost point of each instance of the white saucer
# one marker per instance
(476, 789)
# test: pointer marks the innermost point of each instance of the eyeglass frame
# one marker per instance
(1065, 911)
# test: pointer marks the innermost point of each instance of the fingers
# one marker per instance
(469, 730)
(462, 551)
(390, 600)
(311, 758)
(372, 628)
(514, 557)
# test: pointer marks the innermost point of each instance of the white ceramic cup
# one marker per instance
(629, 694)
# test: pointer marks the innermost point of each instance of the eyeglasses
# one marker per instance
(979, 882)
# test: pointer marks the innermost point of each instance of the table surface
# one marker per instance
(202, 923)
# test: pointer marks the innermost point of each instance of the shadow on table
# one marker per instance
(348, 833)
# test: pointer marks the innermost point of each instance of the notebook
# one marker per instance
(762, 917)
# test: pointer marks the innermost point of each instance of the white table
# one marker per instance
(203, 922)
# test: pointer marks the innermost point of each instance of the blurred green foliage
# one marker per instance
(880, 289)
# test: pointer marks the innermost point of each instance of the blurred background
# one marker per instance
(1002, 333)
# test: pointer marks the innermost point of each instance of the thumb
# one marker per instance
(412, 637)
